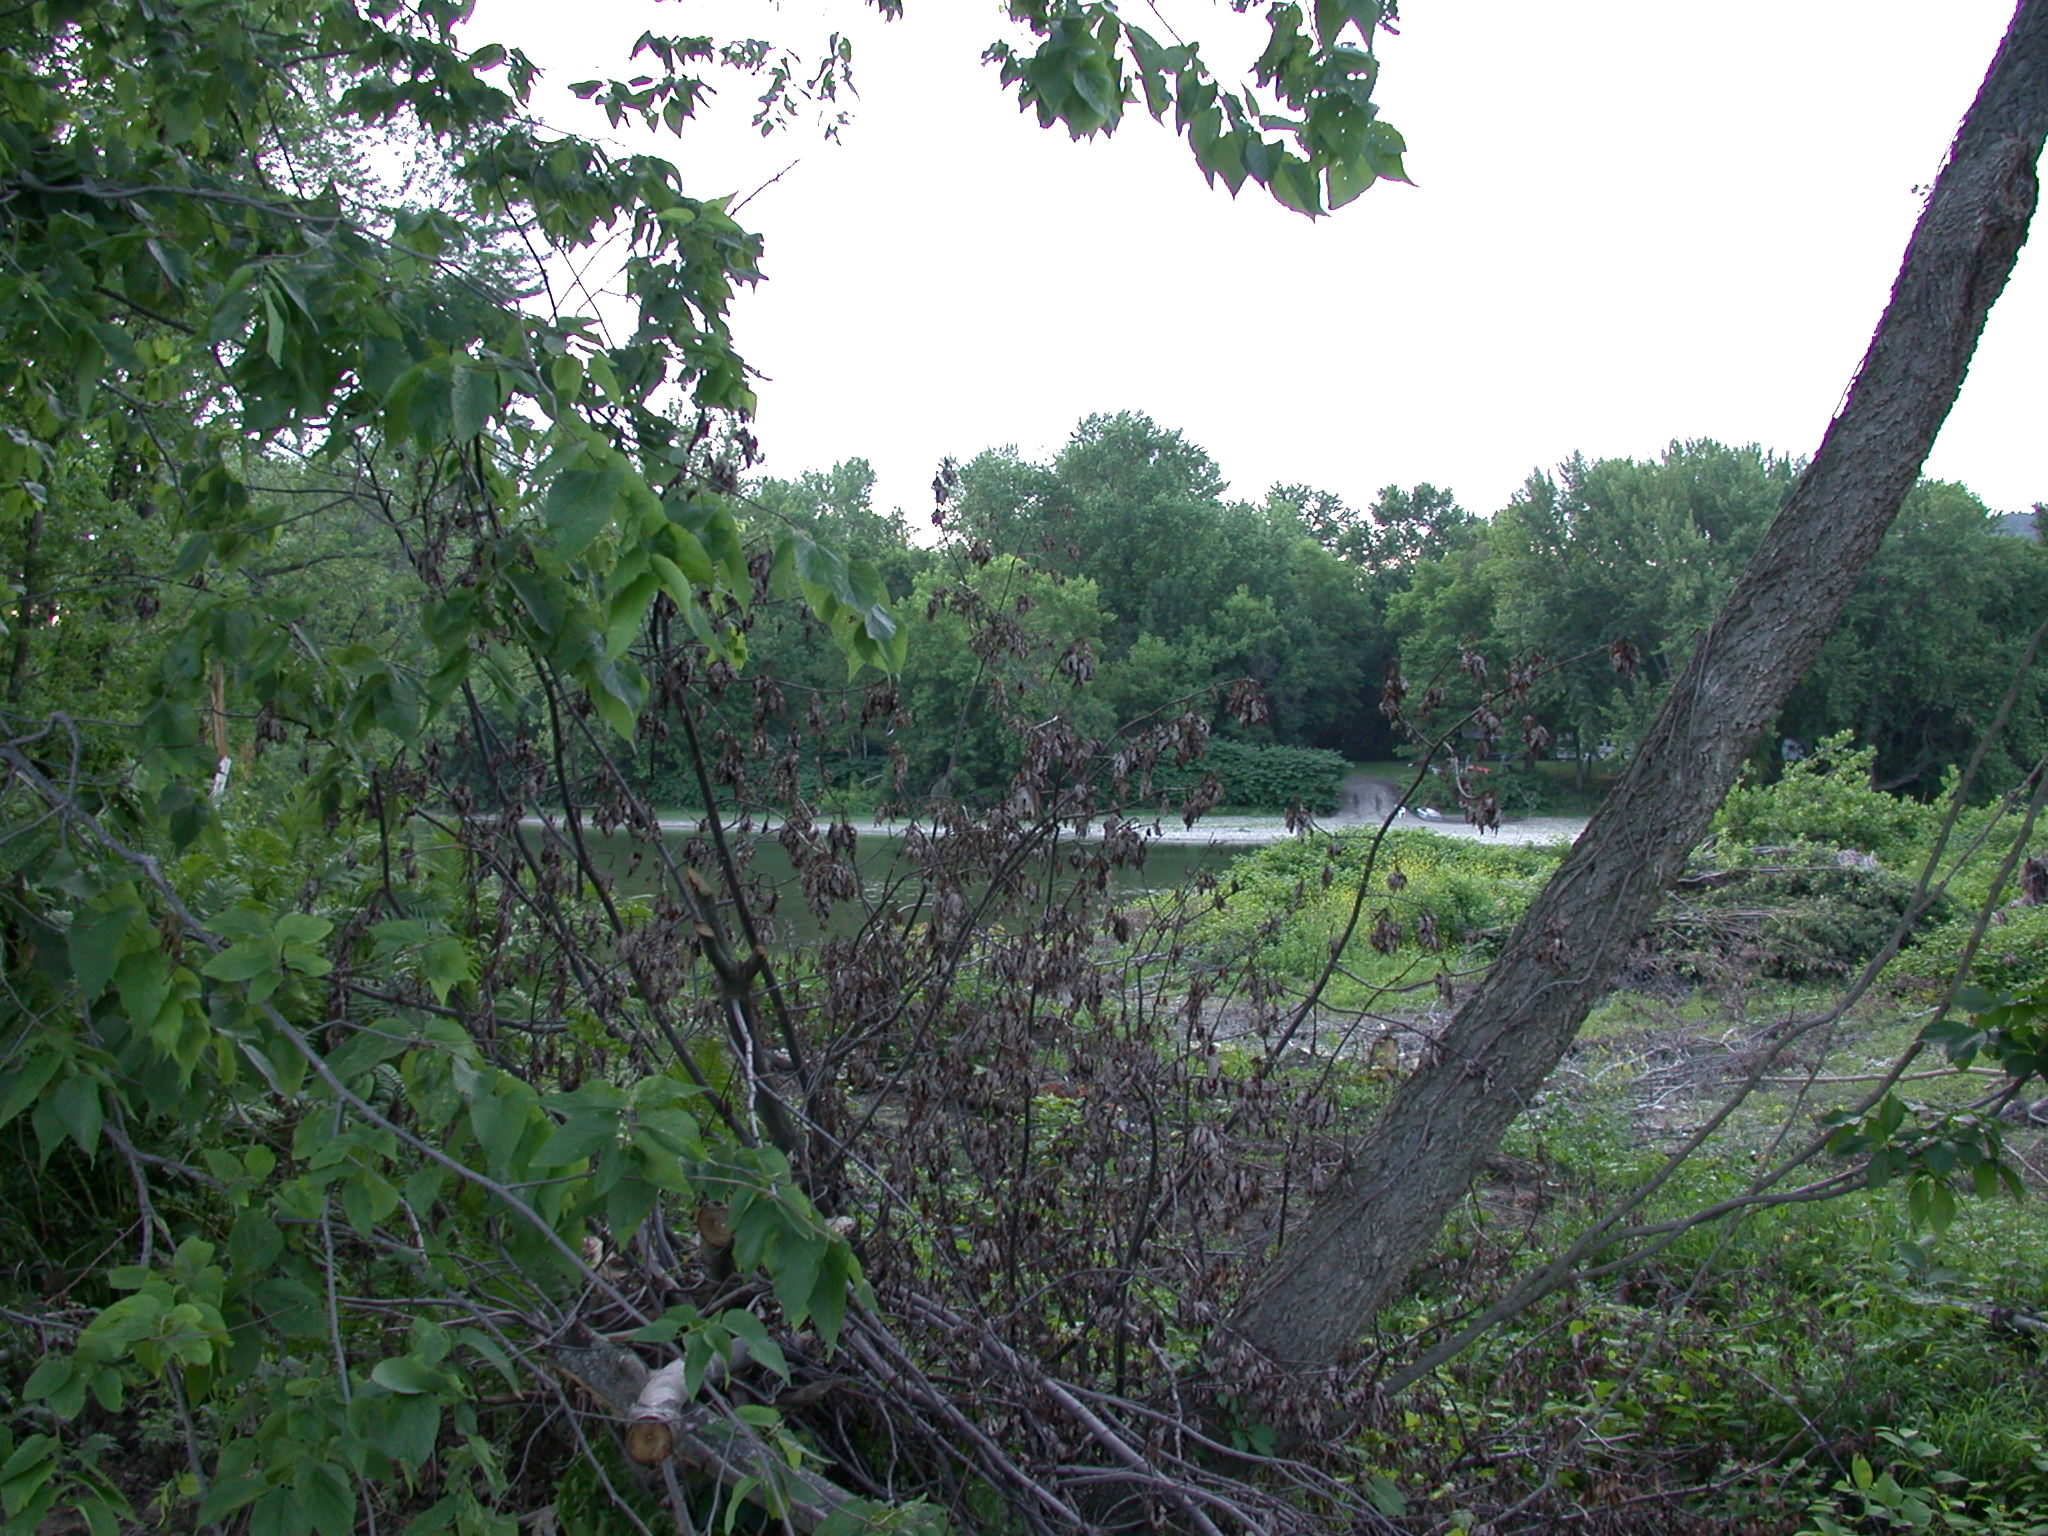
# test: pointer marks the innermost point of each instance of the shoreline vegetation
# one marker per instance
(1235, 830)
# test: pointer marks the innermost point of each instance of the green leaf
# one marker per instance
(446, 963)
(628, 611)
(749, 1330)
(273, 329)
(95, 945)
(405, 1375)
(837, 1276)
(665, 1328)
(405, 1428)
(25, 1479)
(582, 1135)
(243, 962)
(277, 1513)
(120, 349)
(301, 928)
(541, 596)
(327, 1496)
(254, 1243)
(53, 1378)
(25, 1085)
(683, 578)
(629, 1203)
(472, 397)
(1293, 181)
(669, 1133)
(228, 1495)
(499, 1116)
(1349, 178)
(795, 1273)
(75, 1105)
(582, 503)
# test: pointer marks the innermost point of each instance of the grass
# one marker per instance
(1739, 1373)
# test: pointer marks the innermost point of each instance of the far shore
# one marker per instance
(1254, 831)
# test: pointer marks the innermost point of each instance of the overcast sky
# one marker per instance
(1633, 222)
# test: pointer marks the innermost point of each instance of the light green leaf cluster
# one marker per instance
(1828, 798)
(398, 1133)
(1090, 64)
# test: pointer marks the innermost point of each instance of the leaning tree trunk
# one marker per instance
(1357, 1244)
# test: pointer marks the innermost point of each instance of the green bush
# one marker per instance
(2013, 957)
(1799, 914)
(1284, 905)
(1261, 778)
(1827, 799)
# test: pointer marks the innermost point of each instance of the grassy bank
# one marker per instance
(1851, 1342)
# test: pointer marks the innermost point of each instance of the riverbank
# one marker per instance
(1257, 831)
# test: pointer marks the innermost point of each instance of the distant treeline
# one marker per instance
(1119, 583)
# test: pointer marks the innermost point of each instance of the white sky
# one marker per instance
(1633, 221)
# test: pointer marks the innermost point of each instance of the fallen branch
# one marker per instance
(662, 1425)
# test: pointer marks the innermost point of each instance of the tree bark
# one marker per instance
(1357, 1244)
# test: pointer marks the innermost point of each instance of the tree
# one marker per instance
(1927, 646)
(1202, 590)
(1146, 522)
(1400, 528)
(1615, 550)
(1007, 648)
(1362, 1238)
(1404, 532)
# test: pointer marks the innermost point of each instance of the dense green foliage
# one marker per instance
(1835, 1344)
(1318, 64)
(1625, 560)
(1802, 912)
(346, 1101)
(1827, 798)
(1430, 906)
(295, 451)
(1261, 778)
(1978, 925)
(1591, 584)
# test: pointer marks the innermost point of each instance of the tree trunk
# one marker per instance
(1359, 1241)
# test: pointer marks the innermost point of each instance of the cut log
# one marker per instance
(655, 1425)
(663, 1425)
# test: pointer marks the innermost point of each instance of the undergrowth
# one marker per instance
(1763, 1374)
(1432, 904)
(1857, 1363)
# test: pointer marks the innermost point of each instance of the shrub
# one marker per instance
(1827, 799)
(2013, 957)
(1262, 778)
(1284, 905)
(1799, 914)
